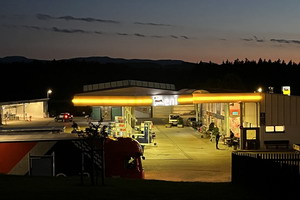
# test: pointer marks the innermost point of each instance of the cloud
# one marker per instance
(44, 17)
(81, 31)
(295, 41)
(98, 32)
(157, 36)
(71, 18)
(55, 29)
(151, 24)
(34, 27)
(88, 19)
(258, 40)
(139, 35)
(247, 39)
(123, 34)
(254, 38)
(285, 41)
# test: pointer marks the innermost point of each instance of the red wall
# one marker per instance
(12, 153)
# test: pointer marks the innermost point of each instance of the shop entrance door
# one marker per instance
(250, 138)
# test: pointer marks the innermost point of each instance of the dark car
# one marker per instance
(191, 121)
(64, 117)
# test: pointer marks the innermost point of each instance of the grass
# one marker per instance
(43, 188)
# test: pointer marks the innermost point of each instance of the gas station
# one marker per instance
(259, 120)
(132, 110)
(254, 118)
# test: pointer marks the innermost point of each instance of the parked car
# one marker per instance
(173, 119)
(64, 117)
(191, 121)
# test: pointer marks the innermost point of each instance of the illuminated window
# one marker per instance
(251, 135)
(279, 128)
(275, 129)
(270, 129)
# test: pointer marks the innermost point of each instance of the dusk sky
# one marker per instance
(189, 30)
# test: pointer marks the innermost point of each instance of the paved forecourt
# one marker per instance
(180, 154)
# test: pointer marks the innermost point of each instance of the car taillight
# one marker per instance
(66, 116)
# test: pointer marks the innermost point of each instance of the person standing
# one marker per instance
(75, 127)
(217, 135)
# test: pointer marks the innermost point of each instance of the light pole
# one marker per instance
(48, 93)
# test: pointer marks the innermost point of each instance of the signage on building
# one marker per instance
(215, 115)
(286, 90)
(119, 126)
(234, 112)
(165, 100)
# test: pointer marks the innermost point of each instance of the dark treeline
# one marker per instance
(30, 80)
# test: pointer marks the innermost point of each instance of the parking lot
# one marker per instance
(180, 154)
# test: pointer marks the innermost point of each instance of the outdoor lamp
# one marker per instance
(49, 92)
(259, 89)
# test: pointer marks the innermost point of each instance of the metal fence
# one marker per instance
(265, 167)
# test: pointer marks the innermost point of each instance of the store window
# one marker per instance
(275, 129)
(251, 135)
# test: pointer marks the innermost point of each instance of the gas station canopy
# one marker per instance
(133, 95)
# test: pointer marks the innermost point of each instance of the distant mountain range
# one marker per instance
(100, 59)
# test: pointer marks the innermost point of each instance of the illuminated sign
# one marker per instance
(165, 100)
(286, 90)
(235, 113)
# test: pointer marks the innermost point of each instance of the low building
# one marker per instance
(24, 109)
(258, 120)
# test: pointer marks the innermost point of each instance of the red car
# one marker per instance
(64, 117)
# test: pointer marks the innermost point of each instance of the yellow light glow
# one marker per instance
(182, 99)
(112, 100)
(227, 97)
(185, 99)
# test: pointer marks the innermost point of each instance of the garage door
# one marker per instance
(162, 111)
(184, 109)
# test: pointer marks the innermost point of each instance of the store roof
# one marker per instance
(23, 101)
(128, 83)
(130, 91)
(132, 88)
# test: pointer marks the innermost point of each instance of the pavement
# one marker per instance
(176, 154)
(180, 154)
